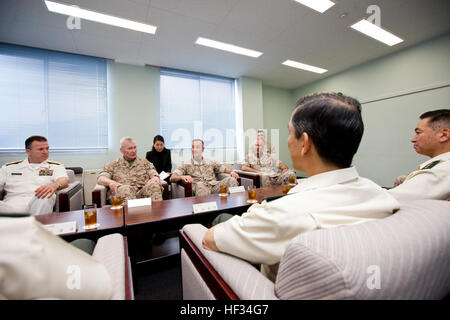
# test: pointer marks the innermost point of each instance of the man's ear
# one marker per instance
(444, 135)
(305, 144)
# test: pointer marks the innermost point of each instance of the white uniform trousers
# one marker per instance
(27, 204)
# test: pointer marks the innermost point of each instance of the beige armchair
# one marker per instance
(403, 256)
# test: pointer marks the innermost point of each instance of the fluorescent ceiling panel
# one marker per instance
(374, 31)
(303, 66)
(99, 17)
(227, 47)
(318, 5)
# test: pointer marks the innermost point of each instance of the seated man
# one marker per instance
(30, 184)
(131, 177)
(273, 171)
(324, 133)
(201, 172)
(431, 179)
(261, 138)
(36, 264)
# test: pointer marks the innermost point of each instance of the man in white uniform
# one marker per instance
(324, 133)
(36, 264)
(431, 179)
(30, 184)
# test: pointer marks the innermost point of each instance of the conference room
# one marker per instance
(220, 84)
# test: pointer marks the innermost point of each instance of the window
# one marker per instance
(197, 106)
(57, 95)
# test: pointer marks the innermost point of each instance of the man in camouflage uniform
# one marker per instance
(273, 171)
(131, 177)
(201, 172)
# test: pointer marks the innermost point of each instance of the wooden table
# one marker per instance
(111, 221)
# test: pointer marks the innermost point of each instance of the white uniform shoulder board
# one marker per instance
(54, 162)
(14, 162)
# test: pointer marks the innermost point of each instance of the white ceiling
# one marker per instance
(281, 29)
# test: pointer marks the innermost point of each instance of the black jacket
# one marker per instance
(161, 160)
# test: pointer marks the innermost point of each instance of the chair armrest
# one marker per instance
(227, 277)
(255, 177)
(112, 252)
(64, 197)
(184, 186)
(99, 195)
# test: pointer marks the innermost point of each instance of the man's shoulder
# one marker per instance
(13, 162)
(54, 163)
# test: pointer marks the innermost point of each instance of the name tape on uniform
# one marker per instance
(203, 207)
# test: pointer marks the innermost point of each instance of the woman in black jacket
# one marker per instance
(160, 156)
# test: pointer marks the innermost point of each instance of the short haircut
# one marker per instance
(126, 139)
(158, 138)
(30, 140)
(438, 119)
(203, 144)
(333, 122)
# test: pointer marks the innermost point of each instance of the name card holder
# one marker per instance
(62, 228)
(204, 207)
(139, 202)
(236, 189)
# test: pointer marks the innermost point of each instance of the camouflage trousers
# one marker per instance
(151, 190)
(201, 188)
(273, 179)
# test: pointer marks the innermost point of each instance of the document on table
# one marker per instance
(163, 175)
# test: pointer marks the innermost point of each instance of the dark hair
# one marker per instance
(203, 144)
(334, 124)
(437, 118)
(30, 140)
(158, 138)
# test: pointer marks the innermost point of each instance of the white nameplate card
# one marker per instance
(139, 202)
(62, 228)
(236, 189)
(203, 207)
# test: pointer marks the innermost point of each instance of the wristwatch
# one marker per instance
(59, 185)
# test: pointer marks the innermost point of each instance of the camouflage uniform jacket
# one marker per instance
(136, 175)
(203, 171)
(265, 162)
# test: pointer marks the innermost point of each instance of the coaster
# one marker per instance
(252, 201)
(115, 208)
(94, 226)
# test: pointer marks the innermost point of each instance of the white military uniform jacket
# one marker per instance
(431, 180)
(20, 179)
(330, 199)
(35, 264)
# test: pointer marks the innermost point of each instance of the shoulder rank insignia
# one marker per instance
(431, 165)
(54, 162)
(13, 162)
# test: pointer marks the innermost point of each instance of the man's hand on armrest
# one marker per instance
(113, 185)
(175, 178)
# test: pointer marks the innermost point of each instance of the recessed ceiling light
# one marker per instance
(98, 17)
(374, 31)
(303, 66)
(227, 47)
(318, 5)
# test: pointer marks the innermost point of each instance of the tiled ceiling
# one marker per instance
(281, 29)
